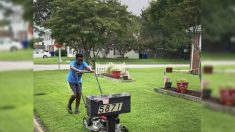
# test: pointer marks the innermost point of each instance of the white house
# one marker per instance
(48, 42)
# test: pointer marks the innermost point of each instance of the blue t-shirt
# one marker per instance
(72, 76)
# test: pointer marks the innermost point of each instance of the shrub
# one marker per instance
(63, 52)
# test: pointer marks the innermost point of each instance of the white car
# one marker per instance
(7, 44)
(41, 54)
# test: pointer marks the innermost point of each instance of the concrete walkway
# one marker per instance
(66, 66)
(15, 65)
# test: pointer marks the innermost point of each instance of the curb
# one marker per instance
(175, 94)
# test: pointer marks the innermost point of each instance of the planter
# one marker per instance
(168, 84)
(125, 77)
(227, 96)
(183, 89)
(206, 93)
(169, 70)
(208, 69)
(116, 74)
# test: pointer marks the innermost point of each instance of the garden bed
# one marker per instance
(215, 104)
(108, 76)
(189, 95)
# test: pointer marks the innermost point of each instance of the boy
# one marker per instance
(74, 79)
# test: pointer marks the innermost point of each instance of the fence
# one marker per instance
(102, 68)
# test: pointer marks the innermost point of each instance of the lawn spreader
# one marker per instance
(103, 111)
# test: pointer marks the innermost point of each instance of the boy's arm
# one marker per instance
(88, 68)
(72, 67)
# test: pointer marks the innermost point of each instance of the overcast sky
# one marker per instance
(135, 6)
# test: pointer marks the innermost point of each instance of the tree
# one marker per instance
(27, 6)
(127, 40)
(218, 22)
(42, 11)
(165, 22)
(86, 24)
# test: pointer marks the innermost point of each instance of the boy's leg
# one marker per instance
(72, 98)
(78, 98)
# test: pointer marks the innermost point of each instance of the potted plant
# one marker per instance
(182, 85)
(206, 92)
(167, 82)
(227, 95)
(208, 69)
(125, 76)
(109, 70)
(169, 69)
(116, 72)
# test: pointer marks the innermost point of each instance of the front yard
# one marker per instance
(150, 111)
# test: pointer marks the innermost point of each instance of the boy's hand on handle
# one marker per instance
(79, 72)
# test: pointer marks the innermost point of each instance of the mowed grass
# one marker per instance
(213, 121)
(150, 111)
(16, 104)
(217, 56)
(16, 55)
(66, 60)
(220, 79)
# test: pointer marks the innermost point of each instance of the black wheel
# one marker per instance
(124, 129)
(44, 57)
(87, 121)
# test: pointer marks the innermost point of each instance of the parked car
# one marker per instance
(41, 54)
(7, 44)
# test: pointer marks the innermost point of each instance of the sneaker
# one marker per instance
(76, 112)
(69, 110)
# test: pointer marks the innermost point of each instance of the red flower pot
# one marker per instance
(169, 70)
(116, 74)
(227, 96)
(183, 90)
(182, 87)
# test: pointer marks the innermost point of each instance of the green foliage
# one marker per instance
(218, 19)
(88, 25)
(166, 23)
(63, 52)
(36, 40)
(27, 6)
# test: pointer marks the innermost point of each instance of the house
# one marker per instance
(48, 42)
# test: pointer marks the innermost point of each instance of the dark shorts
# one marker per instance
(76, 88)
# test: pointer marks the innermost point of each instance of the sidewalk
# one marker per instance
(15, 65)
(66, 66)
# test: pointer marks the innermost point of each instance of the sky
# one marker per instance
(135, 6)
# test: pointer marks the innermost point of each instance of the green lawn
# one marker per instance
(217, 80)
(151, 111)
(217, 56)
(17, 55)
(66, 60)
(16, 104)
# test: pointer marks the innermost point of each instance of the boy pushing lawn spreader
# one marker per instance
(102, 110)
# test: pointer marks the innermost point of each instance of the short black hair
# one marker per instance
(79, 55)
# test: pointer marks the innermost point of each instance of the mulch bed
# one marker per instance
(189, 92)
(108, 76)
(212, 103)
(190, 95)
